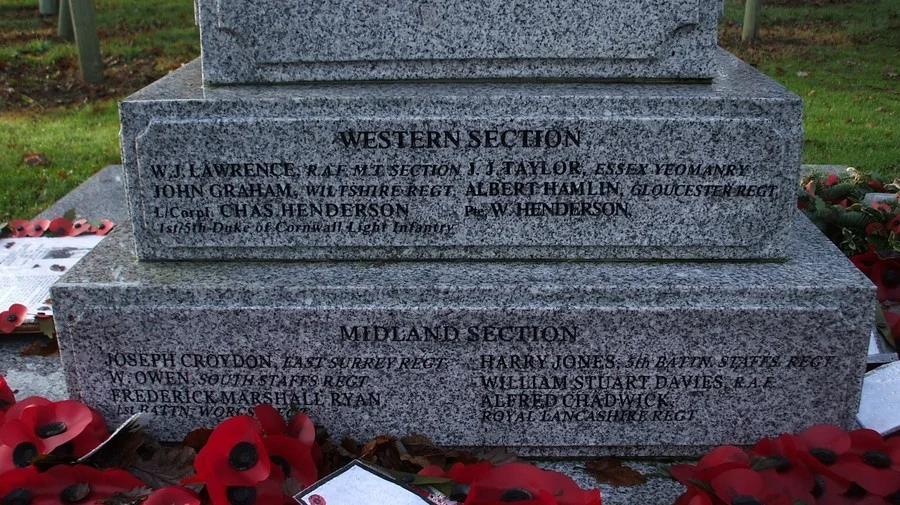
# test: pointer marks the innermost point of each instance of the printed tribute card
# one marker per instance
(359, 484)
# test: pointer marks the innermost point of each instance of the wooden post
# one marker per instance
(48, 7)
(65, 21)
(751, 20)
(82, 12)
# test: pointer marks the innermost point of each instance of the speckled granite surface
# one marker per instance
(417, 171)
(276, 41)
(549, 358)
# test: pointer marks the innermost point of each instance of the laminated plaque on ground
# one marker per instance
(413, 171)
(553, 358)
(278, 41)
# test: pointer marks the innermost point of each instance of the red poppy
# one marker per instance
(22, 485)
(719, 460)
(12, 318)
(103, 227)
(528, 485)
(784, 467)
(865, 261)
(844, 499)
(877, 229)
(265, 492)
(820, 447)
(872, 463)
(467, 474)
(746, 487)
(173, 495)
(80, 226)
(886, 276)
(293, 458)
(893, 223)
(832, 179)
(7, 397)
(84, 485)
(234, 455)
(36, 426)
(19, 406)
(877, 186)
(881, 206)
(24, 228)
(60, 227)
(811, 187)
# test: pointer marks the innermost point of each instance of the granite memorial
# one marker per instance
(518, 170)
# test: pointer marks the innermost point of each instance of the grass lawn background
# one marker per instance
(840, 56)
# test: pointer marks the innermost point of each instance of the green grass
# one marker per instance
(77, 143)
(841, 57)
(843, 60)
(45, 108)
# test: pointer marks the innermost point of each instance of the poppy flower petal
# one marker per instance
(20, 227)
(12, 318)
(38, 227)
(60, 227)
(235, 454)
(879, 481)
(14, 433)
(270, 419)
(826, 436)
(61, 422)
(293, 457)
(467, 474)
(266, 492)
(302, 428)
(7, 397)
(80, 226)
(16, 410)
(737, 482)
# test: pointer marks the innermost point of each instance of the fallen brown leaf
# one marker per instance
(197, 438)
(35, 159)
(41, 348)
(610, 471)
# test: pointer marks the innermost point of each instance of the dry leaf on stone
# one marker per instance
(122, 448)
(499, 456)
(611, 471)
(35, 159)
(369, 452)
(197, 438)
(133, 497)
(41, 348)
(166, 466)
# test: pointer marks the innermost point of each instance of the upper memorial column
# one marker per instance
(336, 40)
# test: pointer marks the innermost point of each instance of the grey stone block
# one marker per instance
(483, 171)
(550, 358)
(276, 41)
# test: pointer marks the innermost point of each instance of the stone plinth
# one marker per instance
(277, 41)
(550, 358)
(479, 171)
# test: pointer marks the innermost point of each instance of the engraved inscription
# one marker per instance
(413, 187)
(536, 380)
